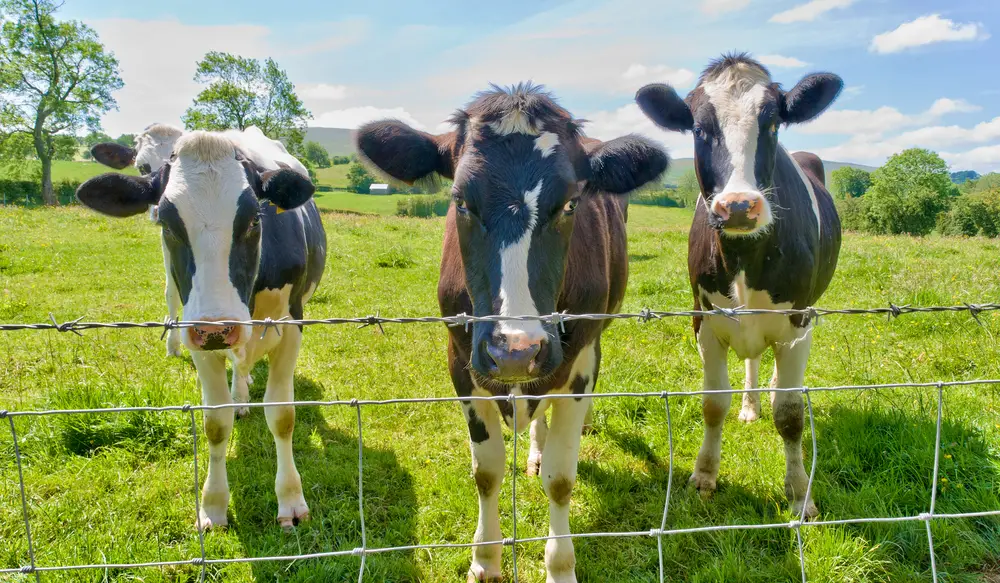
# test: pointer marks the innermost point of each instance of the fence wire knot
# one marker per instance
(460, 320)
(507, 542)
(359, 551)
(730, 313)
(168, 325)
(3, 413)
(813, 315)
(896, 311)
(66, 326)
(186, 407)
(925, 516)
(373, 321)
(269, 323)
(27, 569)
(974, 311)
(795, 524)
(657, 532)
(645, 315)
(198, 561)
(558, 318)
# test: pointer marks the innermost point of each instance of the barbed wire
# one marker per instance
(796, 524)
(463, 319)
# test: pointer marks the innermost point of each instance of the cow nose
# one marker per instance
(738, 210)
(515, 357)
(214, 337)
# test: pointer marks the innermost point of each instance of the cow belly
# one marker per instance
(750, 336)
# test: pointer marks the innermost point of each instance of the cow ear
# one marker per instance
(810, 96)
(625, 164)
(404, 153)
(120, 195)
(285, 188)
(661, 104)
(114, 155)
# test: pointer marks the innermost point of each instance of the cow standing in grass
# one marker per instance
(537, 225)
(241, 237)
(765, 236)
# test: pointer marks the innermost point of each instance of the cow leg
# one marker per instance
(488, 458)
(292, 506)
(173, 307)
(588, 421)
(218, 424)
(751, 401)
(559, 464)
(241, 389)
(714, 407)
(789, 416)
(539, 432)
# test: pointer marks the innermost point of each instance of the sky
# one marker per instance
(916, 72)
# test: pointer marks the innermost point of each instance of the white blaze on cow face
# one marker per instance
(515, 293)
(546, 143)
(737, 96)
(205, 186)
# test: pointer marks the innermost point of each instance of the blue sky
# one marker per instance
(917, 72)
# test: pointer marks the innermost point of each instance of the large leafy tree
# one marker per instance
(317, 154)
(246, 92)
(55, 78)
(909, 192)
(849, 182)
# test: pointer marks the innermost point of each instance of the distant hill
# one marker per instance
(337, 141)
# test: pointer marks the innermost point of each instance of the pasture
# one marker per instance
(117, 488)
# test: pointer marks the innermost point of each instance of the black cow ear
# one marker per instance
(120, 195)
(810, 96)
(285, 188)
(625, 164)
(114, 155)
(664, 107)
(406, 154)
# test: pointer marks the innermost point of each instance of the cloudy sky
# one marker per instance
(917, 72)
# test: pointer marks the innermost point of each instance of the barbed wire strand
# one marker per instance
(197, 494)
(24, 506)
(463, 319)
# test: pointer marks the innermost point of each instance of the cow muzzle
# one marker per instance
(740, 212)
(516, 356)
(215, 337)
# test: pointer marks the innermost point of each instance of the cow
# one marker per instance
(765, 235)
(242, 237)
(536, 225)
(152, 150)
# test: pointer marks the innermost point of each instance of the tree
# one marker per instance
(909, 192)
(65, 147)
(55, 78)
(964, 176)
(359, 178)
(688, 189)
(245, 92)
(126, 140)
(317, 154)
(848, 182)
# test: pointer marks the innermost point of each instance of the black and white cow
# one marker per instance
(242, 237)
(765, 235)
(536, 226)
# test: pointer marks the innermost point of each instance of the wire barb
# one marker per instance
(66, 326)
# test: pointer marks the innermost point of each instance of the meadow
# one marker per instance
(117, 488)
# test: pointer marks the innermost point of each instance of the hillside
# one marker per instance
(337, 141)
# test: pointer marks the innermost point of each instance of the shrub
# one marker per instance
(897, 211)
(422, 206)
(655, 198)
(29, 192)
(853, 214)
(973, 214)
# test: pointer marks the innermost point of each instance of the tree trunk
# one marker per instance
(48, 193)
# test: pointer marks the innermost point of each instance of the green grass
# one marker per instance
(80, 171)
(118, 487)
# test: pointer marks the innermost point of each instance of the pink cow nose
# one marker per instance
(212, 337)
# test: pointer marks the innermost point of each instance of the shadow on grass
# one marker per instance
(327, 459)
(636, 258)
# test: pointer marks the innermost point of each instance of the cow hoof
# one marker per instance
(749, 415)
(534, 465)
(704, 482)
(562, 578)
(174, 349)
(479, 574)
(208, 520)
(588, 429)
(291, 517)
(242, 412)
(811, 510)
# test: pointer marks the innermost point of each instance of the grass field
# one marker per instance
(118, 487)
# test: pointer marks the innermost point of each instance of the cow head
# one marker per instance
(152, 149)
(211, 200)
(734, 113)
(521, 173)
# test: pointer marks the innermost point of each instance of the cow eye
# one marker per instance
(698, 132)
(460, 204)
(571, 205)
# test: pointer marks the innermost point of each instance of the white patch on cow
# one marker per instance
(515, 294)
(546, 143)
(809, 187)
(514, 122)
(750, 336)
(154, 145)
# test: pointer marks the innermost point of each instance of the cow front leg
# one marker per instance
(714, 407)
(588, 421)
(218, 425)
(173, 308)
(488, 455)
(292, 506)
(559, 464)
(241, 389)
(789, 416)
(750, 411)
(539, 432)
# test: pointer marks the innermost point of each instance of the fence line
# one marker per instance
(203, 561)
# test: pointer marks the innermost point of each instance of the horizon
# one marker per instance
(592, 55)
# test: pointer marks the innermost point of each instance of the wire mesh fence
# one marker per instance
(658, 531)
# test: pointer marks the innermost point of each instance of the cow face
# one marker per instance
(211, 201)
(521, 174)
(152, 150)
(734, 114)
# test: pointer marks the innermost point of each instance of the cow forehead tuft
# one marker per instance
(205, 147)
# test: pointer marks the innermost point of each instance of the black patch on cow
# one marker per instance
(579, 385)
(244, 253)
(180, 257)
(477, 429)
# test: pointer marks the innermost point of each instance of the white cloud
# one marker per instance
(638, 75)
(781, 61)
(874, 123)
(927, 30)
(716, 7)
(322, 92)
(352, 117)
(607, 125)
(984, 159)
(809, 11)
